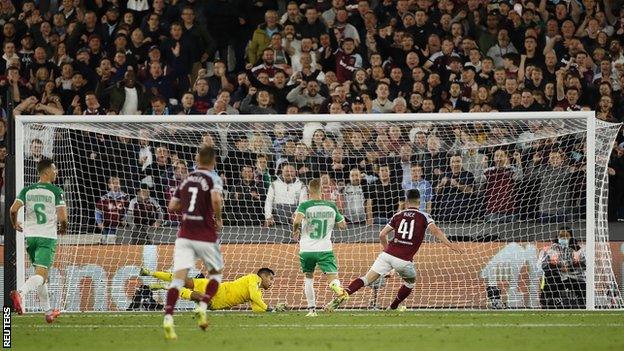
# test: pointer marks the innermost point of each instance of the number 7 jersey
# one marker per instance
(195, 196)
(409, 227)
(320, 216)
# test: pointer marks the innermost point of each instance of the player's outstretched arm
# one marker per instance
(14, 211)
(439, 234)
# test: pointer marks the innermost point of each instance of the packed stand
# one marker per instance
(266, 57)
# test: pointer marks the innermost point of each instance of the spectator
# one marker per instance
(263, 100)
(31, 175)
(157, 174)
(157, 83)
(262, 172)
(204, 45)
(222, 105)
(355, 198)
(248, 197)
(92, 105)
(554, 186)
(178, 51)
(330, 192)
(503, 47)
(129, 97)
(159, 106)
(110, 210)
(417, 181)
(306, 95)
(337, 166)
(262, 36)
(283, 197)
(307, 166)
(180, 171)
(144, 212)
(499, 188)
(313, 26)
(453, 193)
(202, 100)
(188, 105)
(383, 198)
(382, 104)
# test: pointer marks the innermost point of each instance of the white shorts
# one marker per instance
(186, 252)
(386, 262)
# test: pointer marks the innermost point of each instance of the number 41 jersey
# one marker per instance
(318, 225)
(194, 194)
(409, 227)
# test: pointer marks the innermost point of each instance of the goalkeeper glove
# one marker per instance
(280, 307)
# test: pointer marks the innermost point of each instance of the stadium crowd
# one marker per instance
(342, 56)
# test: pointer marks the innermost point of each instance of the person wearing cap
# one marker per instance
(143, 212)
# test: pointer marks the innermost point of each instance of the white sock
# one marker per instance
(176, 284)
(309, 292)
(335, 282)
(203, 306)
(217, 277)
(44, 297)
(31, 284)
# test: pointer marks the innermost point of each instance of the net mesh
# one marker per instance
(502, 188)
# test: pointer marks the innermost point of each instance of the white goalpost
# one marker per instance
(505, 185)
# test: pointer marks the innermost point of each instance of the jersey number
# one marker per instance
(40, 213)
(320, 228)
(406, 229)
(194, 191)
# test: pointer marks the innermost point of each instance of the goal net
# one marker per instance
(512, 189)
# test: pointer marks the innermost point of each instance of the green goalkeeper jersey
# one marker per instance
(40, 202)
(320, 216)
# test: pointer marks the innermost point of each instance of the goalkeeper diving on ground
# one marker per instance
(246, 289)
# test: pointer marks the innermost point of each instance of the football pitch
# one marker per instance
(409, 330)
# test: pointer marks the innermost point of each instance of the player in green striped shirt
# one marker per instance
(44, 211)
(314, 223)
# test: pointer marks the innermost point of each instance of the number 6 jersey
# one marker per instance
(40, 201)
(320, 216)
(409, 227)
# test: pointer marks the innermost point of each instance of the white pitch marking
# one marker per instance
(352, 326)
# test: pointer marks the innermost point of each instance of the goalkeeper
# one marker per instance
(229, 294)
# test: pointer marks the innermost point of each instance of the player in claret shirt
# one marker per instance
(409, 228)
(199, 200)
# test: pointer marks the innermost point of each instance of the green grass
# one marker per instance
(435, 330)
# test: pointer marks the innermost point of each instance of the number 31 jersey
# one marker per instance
(409, 227)
(194, 194)
(320, 216)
